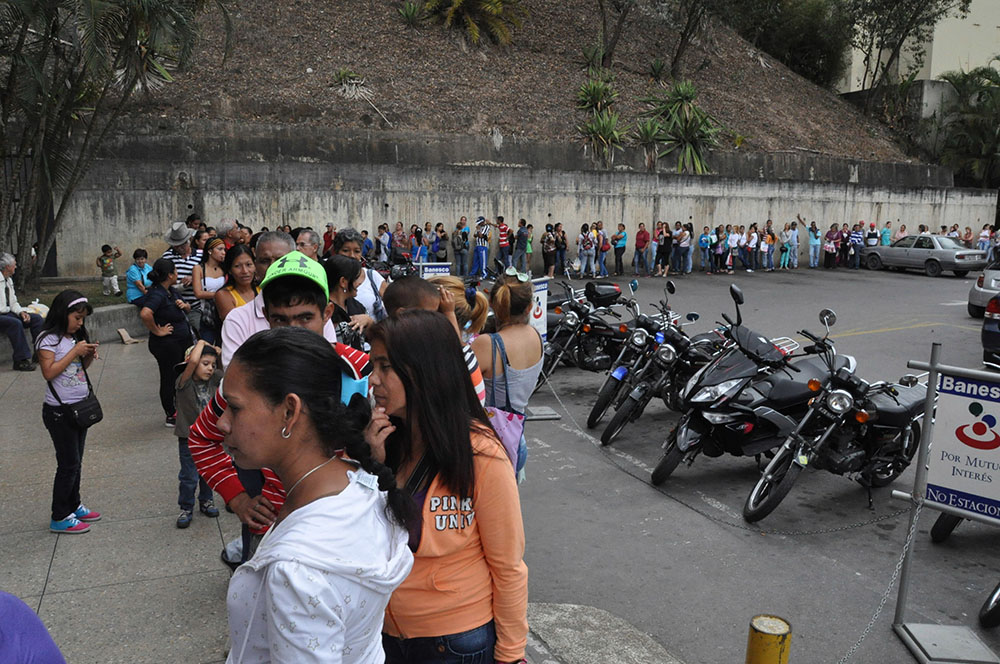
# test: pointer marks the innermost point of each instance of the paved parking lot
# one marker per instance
(678, 564)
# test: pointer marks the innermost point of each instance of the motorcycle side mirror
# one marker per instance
(693, 316)
(736, 294)
(909, 380)
(633, 286)
(828, 317)
(670, 288)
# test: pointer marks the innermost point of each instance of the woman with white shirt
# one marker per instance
(733, 239)
(206, 278)
(317, 587)
(349, 242)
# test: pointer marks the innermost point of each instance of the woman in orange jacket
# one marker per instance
(467, 596)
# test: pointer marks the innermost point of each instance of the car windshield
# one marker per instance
(950, 243)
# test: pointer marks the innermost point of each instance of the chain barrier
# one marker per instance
(888, 590)
(608, 457)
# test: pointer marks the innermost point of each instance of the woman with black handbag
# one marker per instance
(64, 353)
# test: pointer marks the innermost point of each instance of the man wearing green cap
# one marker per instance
(293, 293)
(291, 277)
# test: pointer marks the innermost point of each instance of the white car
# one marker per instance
(985, 287)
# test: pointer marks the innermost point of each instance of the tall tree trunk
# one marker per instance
(695, 13)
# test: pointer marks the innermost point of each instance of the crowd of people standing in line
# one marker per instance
(401, 520)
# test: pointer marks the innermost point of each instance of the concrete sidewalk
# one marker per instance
(135, 588)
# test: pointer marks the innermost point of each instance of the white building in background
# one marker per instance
(957, 44)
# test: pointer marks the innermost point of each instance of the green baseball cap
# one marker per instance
(296, 264)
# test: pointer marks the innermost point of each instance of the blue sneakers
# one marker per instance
(69, 526)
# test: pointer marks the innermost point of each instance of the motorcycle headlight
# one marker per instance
(693, 381)
(639, 338)
(666, 354)
(715, 392)
(839, 401)
(571, 319)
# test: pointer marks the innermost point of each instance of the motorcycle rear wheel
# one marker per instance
(625, 414)
(669, 462)
(943, 527)
(989, 615)
(767, 494)
(604, 398)
(886, 478)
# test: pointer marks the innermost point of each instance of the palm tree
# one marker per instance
(68, 69)
(970, 132)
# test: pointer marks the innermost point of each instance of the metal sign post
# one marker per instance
(931, 643)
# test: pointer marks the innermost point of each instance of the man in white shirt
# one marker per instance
(13, 319)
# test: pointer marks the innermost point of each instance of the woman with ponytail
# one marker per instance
(511, 358)
(317, 586)
(466, 598)
(164, 314)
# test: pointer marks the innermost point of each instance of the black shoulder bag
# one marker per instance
(87, 411)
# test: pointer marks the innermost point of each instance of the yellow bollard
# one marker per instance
(769, 641)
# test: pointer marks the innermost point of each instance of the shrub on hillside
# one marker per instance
(595, 96)
(412, 13)
(688, 130)
(492, 18)
(603, 134)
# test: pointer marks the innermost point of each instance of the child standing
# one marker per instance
(64, 353)
(195, 386)
(106, 263)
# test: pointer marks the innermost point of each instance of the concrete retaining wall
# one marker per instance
(131, 202)
(102, 326)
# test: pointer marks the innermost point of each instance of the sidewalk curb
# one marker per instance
(575, 634)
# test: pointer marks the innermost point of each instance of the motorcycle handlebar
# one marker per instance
(809, 335)
(726, 318)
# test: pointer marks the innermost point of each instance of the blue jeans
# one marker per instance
(600, 262)
(189, 479)
(479, 261)
(793, 255)
(472, 647)
(460, 261)
(560, 261)
(856, 258)
(13, 327)
(688, 258)
(706, 259)
(521, 260)
(814, 255)
(677, 256)
(504, 255)
(640, 260)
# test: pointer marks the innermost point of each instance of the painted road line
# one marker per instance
(915, 326)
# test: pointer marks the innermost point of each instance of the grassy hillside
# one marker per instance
(287, 53)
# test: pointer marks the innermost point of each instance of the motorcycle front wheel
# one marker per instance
(989, 615)
(768, 493)
(669, 462)
(942, 528)
(891, 471)
(604, 398)
(625, 414)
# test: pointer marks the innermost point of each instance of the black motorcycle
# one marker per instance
(869, 431)
(743, 402)
(582, 337)
(645, 334)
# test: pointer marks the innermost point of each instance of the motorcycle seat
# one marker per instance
(784, 390)
(896, 412)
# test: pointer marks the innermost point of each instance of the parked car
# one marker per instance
(985, 287)
(931, 253)
(991, 333)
